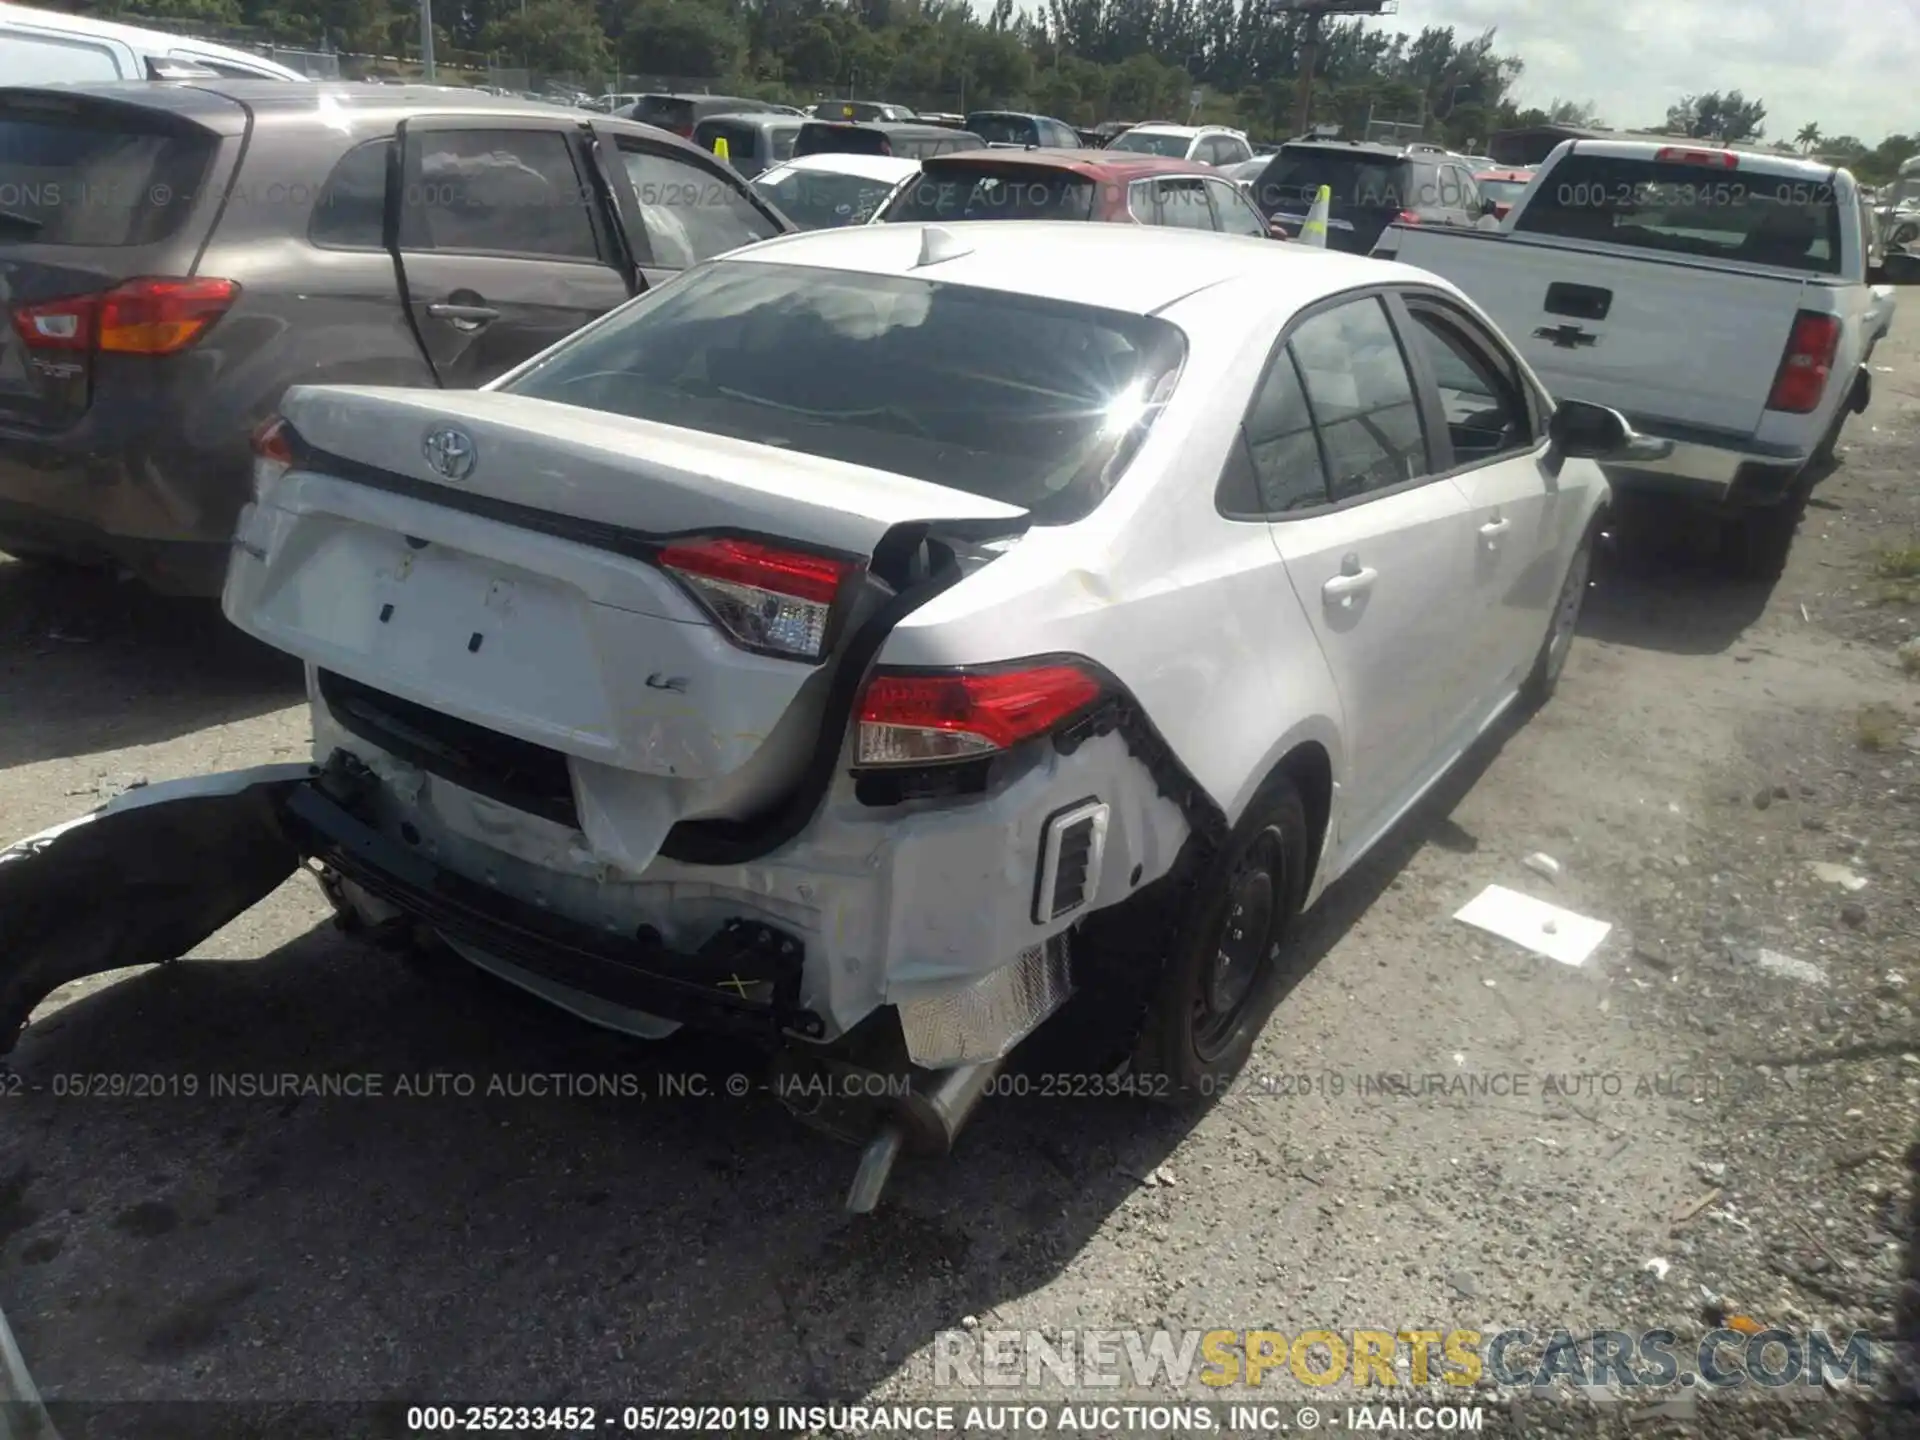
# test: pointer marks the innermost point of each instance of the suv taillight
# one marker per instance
(765, 597)
(920, 718)
(148, 316)
(1804, 369)
(1406, 217)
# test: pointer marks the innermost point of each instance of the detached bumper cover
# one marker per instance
(139, 881)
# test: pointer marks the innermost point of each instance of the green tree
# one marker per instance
(551, 35)
(681, 37)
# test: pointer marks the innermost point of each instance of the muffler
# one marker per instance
(887, 1112)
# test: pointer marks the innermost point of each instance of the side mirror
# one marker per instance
(1583, 431)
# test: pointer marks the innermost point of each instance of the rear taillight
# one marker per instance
(922, 719)
(148, 316)
(1502, 209)
(1677, 155)
(766, 598)
(273, 453)
(1406, 217)
(1802, 378)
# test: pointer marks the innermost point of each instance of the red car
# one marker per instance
(1099, 185)
(1502, 187)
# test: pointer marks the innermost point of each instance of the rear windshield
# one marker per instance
(1355, 182)
(91, 179)
(1033, 402)
(976, 192)
(1173, 146)
(665, 111)
(1505, 191)
(841, 140)
(817, 200)
(1689, 210)
(1003, 129)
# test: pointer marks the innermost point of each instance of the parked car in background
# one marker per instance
(43, 47)
(1094, 185)
(754, 141)
(1370, 186)
(1011, 127)
(1212, 144)
(238, 242)
(1247, 171)
(818, 192)
(680, 113)
(860, 112)
(880, 137)
(1502, 187)
(1719, 298)
(612, 101)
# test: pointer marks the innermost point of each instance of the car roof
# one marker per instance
(1766, 161)
(223, 104)
(843, 162)
(883, 127)
(1095, 164)
(751, 117)
(1141, 269)
(142, 39)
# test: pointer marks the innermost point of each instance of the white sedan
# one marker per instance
(821, 192)
(877, 635)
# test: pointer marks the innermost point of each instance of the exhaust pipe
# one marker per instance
(925, 1122)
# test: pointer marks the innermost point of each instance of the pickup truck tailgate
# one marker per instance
(1653, 338)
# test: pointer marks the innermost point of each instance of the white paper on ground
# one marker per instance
(1545, 929)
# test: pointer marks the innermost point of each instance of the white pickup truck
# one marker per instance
(1722, 300)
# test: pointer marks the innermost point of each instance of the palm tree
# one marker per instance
(1808, 137)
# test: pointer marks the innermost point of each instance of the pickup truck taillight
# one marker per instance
(1804, 369)
(152, 315)
(922, 718)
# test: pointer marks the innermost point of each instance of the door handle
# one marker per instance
(1494, 529)
(1342, 588)
(463, 317)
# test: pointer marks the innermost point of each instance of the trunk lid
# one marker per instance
(545, 596)
(93, 192)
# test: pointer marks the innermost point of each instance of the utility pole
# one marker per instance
(426, 41)
(1309, 57)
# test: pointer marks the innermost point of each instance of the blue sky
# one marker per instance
(1853, 66)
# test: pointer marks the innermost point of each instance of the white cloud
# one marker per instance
(1848, 65)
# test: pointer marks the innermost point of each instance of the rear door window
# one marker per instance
(1480, 389)
(1681, 208)
(86, 176)
(511, 192)
(1362, 398)
(1231, 208)
(348, 214)
(691, 213)
(742, 138)
(1182, 204)
(976, 192)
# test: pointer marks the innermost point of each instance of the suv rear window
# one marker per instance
(1689, 210)
(1005, 396)
(980, 192)
(88, 178)
(666, 111)
(742, 138)
(1004, 129)
(818, 139)
(1356, 182)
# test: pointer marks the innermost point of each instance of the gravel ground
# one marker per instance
(1717, 1113)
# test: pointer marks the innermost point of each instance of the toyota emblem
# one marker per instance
(450, 452)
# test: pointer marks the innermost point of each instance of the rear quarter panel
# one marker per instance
(1190, 611)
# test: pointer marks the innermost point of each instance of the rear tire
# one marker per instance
(1223, 971)
(1755, 545)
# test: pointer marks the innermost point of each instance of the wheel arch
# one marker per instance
(1312, 758)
